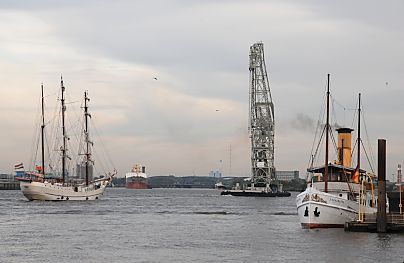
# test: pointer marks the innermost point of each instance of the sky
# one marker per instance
(186, 121)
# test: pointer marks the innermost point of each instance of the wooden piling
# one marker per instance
(381, 185)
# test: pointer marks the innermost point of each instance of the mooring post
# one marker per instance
(381, 186)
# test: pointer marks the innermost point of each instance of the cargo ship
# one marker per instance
(137, 178)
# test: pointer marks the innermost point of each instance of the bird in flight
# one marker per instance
(154, 78)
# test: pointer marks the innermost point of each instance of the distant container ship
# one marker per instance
(137, 178)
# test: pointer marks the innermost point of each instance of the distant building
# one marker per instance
(287, 175)
(215, 174)
(7, 182)
(6, 177)
(81, 171)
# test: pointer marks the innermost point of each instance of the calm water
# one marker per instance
(177, 225)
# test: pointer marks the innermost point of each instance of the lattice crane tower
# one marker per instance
(261, 120)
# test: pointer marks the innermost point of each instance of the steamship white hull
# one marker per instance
(317, 209)
(47, 191)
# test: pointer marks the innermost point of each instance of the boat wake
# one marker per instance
(200, 213)
(284, 214)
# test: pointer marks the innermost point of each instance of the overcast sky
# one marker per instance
(198, 51)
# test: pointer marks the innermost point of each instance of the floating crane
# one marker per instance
(261, 127)
(261, 121)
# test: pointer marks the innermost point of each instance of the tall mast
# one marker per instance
(42, 133)
(359, 134)
(230, 161)
(327, 129)
(63, 131)
(86, 115)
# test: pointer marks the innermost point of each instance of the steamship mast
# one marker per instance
(261, 119)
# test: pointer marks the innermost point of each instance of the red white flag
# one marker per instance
(18, 166)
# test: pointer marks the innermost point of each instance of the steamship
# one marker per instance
(336, 192)
(137, 178)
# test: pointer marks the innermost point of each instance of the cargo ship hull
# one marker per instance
(137, 185)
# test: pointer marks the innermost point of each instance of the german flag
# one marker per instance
(355, 175)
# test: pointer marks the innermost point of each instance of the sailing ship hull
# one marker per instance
(56, 192)
(318, 209)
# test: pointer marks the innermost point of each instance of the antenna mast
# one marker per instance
(230, 160)
(261, 121)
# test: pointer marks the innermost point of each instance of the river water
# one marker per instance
(177, 225)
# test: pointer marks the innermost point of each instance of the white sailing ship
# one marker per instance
(337, 193)
(61, 186)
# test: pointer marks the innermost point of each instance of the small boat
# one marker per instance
(58, 185)
(336, 192)
(220, 186)
(137, 178)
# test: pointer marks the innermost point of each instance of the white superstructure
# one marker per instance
(137, 171)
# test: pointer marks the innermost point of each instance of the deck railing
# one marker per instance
(391, 218)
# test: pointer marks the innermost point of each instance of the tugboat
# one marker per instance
(220, 186)
(258, 189)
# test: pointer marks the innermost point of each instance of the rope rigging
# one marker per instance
(75, 145)
(320, 133)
